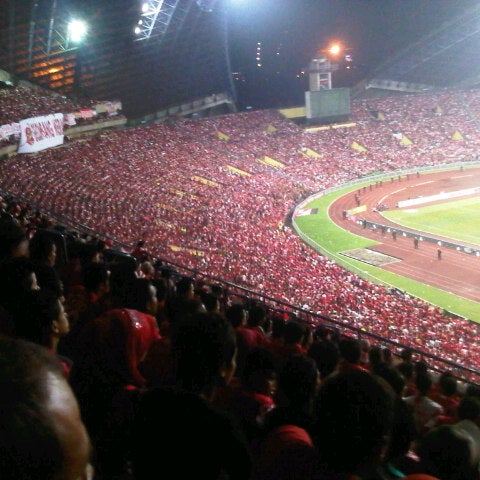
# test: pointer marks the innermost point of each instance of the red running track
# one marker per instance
(456, 272)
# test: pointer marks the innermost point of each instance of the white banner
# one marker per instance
(69, 119)
(41, 132)
(9, 129)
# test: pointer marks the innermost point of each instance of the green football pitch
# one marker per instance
(458, 219)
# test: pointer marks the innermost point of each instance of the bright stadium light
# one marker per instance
(334, 49)
(77, 30)
(150, 10)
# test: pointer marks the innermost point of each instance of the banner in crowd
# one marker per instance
(359, 148)
(39, 133)
(69, 119)
(308, 152)
(222, 136)
(9, 129)
(110, 108)
(85, 113)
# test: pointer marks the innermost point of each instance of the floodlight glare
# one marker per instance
(335, 49)
(77, 30)
(148, 16)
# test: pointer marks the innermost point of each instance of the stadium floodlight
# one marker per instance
(335, 49)
(77, 29)
(148, 17)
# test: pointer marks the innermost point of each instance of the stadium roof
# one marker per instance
(186, 62)
(447, 56)
(437, 43)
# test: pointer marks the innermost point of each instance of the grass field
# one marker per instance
(329, 239)
(459, 219)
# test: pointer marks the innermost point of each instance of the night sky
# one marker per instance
(291, 33)
(370, 30)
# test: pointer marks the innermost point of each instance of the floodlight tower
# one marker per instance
(322, 102)
(150, 12)
(320, 73)
(155, 18)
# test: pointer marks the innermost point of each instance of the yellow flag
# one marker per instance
(457, 135)
(197, 253)
(405, 140)
(237, 170)
(222, 136)
(380, 116)
(295, 112)
(359, 148)
(271, 129)
(272, 162)
(308, 152)
(192, 251)
(205, 181)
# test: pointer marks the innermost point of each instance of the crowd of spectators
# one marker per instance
(119, 368)
(153, 374)
(215, 205)
(17, 103)
(22, 102)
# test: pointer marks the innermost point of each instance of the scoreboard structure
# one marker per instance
(328, 105)
(324, 104)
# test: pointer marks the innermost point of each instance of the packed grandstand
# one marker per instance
(213, 198)
(196, 278)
